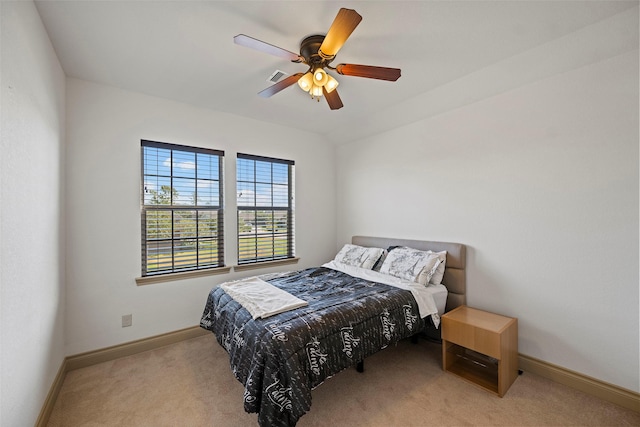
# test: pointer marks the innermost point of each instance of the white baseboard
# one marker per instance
(50, 401)
(605, 391)
(133, 347)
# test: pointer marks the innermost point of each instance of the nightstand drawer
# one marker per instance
(471, 337)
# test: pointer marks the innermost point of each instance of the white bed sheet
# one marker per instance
(440, 294)
(424, 296)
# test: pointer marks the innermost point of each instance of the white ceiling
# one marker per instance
(450, 52)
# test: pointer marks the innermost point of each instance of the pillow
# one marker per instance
(358, 256)
(410, 264)
(378, 263)
(436, 279)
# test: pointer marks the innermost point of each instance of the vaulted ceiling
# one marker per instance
(451, 52)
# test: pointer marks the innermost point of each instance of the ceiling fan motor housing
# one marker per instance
(309, 48)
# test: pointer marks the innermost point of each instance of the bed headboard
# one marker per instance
(455, 278)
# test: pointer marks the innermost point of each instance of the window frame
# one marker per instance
(176, 272)
(257, 261)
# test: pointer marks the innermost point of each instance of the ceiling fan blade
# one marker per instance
(369, 71)
(282, 84)
(246, 41)
(333, 99)
(343, 25)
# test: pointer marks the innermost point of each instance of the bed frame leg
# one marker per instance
(360, 366)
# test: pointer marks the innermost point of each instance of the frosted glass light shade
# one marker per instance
(331, 84)
(306, 82)
(320, 77)
(316, 91)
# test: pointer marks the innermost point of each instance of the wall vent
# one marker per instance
(276, 76)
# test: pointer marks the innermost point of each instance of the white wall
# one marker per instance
(32, 276)
(541, 183)
(105, 126)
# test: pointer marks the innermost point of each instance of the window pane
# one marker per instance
(263, 172)
(207, 224)
(265, 221)
(280, 246)
(184, 224)
(184, 254)
(184, 191)
(157, 161)
(158, 225)
(207, 252)
(246, 194)
(244, 170)
(265, 247)
(184, 164)
(280, 173)
(280, 221)
(208, 193)
(157, 190)
(263, 195)
(246, 248)
(208, 166)
(246, 222)
(281, 195)
(159, 256)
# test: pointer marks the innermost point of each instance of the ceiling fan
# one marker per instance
(317, 52)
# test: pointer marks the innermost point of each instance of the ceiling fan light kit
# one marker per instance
(306, 82)
(313, 83)
(331, 84)
(320, 77)
(317, 51)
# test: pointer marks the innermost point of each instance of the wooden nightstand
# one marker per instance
(481, 347)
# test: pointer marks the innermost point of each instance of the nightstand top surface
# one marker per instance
(479, 318)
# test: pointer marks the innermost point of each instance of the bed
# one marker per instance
(338, 314)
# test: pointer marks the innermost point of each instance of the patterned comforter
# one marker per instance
(280, 359)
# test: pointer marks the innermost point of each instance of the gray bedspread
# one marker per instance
(280, 359)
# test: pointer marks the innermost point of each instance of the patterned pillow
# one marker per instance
(439, 274)
(378, 263)
(358, 256)
(410, 264)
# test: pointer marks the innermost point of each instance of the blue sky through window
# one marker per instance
(261, 183)
(191, 172)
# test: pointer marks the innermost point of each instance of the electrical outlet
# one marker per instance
(127, 320)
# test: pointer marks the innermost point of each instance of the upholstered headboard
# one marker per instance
(454, 274)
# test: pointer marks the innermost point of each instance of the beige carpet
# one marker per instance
(190, 384)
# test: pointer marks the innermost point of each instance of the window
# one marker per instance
(182, 209)
(265, 209)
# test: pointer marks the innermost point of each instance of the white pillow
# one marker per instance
(410, 264)
(358, 256)
(378, 263)
(436, 279)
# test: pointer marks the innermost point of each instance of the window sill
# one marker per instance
(170, 277)
(266, 264)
